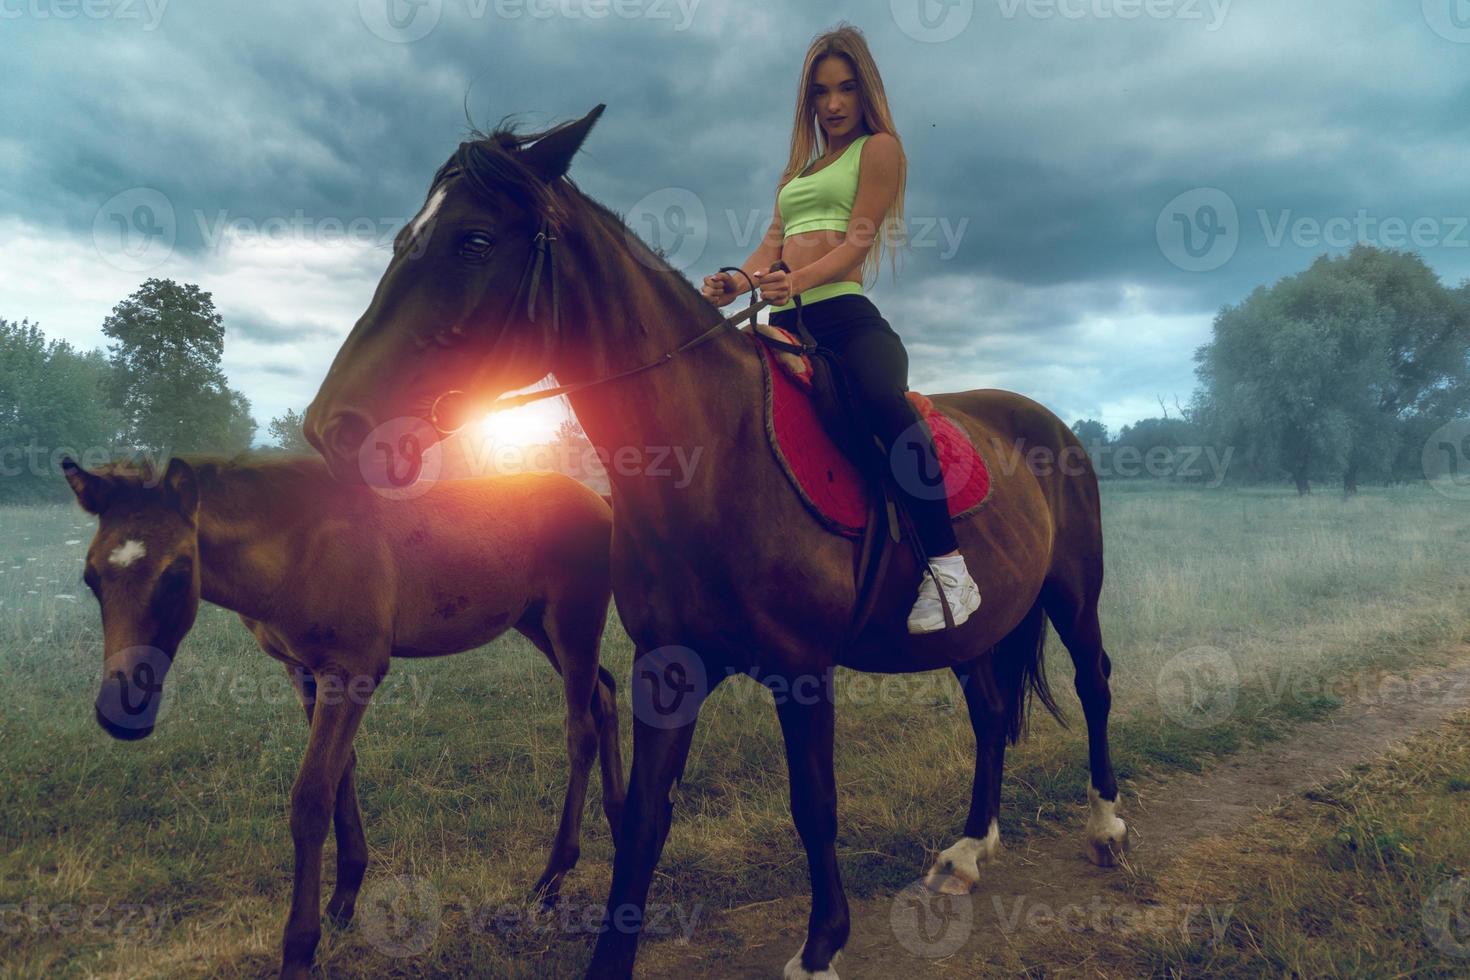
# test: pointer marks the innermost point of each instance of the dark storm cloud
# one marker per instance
(1045, 139)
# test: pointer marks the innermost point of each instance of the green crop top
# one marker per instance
(818, 202)
(823, 200)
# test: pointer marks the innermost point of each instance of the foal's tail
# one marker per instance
(1019, 665)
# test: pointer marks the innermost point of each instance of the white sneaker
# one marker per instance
(927, 616)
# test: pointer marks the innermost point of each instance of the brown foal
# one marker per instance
(333, 581)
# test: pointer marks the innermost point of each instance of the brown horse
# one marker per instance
(725, 571)
(333, 581)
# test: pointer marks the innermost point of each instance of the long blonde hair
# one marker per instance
(808, 142)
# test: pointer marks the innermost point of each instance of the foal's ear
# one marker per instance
(551, 155)
(91, 490)
(180, 486)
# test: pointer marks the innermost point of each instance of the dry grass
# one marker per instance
(191, 823)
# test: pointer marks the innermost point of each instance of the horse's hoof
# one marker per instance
(1107, 850)
(950, 882)
(1107, 834)
(545, 895)
(340, 915)
(795, 971)
(957, 869)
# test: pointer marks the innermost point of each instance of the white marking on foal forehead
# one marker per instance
(126, 553)
(424, 217)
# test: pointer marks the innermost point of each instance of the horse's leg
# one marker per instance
(335, 717)
(352, 850)
(1072, 605)
(806, 725)
(663, 728)
(569, 638)
(957, 868)
(610, 750)
(994, 688)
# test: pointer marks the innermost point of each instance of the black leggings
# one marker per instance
(878, 367)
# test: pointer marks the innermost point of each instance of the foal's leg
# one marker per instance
(807, 724)
(660, 748)
(1072, 605)
(610, 750)
(570, 642)
(338, 708)
(352, 850)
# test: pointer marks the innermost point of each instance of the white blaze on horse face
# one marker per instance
(426, 216)
(126, 553)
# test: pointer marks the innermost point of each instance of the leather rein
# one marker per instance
(542, 259)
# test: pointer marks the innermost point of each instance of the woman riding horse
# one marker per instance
(824, 227)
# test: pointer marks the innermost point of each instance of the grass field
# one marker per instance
(1230, 616)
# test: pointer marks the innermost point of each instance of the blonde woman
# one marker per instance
(833, 215)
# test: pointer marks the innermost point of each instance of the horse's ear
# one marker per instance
(181, 487)
(91, 489)
(551, 155)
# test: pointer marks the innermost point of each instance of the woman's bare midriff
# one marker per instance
(804, 248)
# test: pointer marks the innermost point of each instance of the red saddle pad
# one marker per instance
(827, 481)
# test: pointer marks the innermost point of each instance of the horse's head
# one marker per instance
(143, 567)
(464, 311)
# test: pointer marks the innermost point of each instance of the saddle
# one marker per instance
(838, 467)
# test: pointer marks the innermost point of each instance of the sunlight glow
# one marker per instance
(517, 426)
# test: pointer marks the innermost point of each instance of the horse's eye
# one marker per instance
(476, 245)
(177, 577)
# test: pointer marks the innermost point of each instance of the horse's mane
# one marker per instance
(490, 164)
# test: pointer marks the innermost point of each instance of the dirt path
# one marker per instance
(1047, 880)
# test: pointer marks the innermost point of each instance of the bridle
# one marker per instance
(542, 260)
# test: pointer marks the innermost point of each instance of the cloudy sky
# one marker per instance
(1090, 180)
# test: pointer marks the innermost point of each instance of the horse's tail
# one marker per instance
(1019, 663)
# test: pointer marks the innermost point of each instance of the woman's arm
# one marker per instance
(876, 191)
(767, 253)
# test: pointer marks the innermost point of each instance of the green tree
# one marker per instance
(167, 379)
(53, 401)
(1091, 432)
(1317, 375)
(287, 431)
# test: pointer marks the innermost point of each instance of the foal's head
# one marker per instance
(143, 567)
(452, 325)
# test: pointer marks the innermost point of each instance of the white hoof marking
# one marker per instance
(957, 870)
(795, 971)
(1107, 834)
